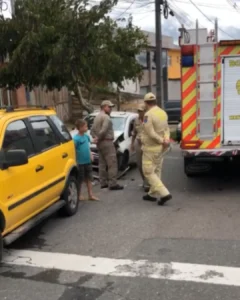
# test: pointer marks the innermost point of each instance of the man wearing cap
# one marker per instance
(103, 135)
(155, 143)
(136, 142)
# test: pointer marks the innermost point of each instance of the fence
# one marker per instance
(60, 100)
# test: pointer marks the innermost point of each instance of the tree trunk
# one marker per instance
(90, 95)
(83, 102)
(78, 93)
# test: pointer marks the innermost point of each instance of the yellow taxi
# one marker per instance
(38, 170)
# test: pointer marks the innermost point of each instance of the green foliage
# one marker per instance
(56, 43)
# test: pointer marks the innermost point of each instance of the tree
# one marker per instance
(56, 43)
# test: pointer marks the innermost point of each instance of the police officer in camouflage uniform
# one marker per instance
(136, 142)
(103, 135)
(155, 143)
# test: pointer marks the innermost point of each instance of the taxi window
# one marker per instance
(46, 137)
(61, 128)
(17, 137)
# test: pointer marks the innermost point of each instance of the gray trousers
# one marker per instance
(139, 162)
(108, 167)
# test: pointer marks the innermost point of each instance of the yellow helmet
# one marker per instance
(141, 107)
(149, 97)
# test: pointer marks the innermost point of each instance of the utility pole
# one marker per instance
(12, 7)
(159, 61)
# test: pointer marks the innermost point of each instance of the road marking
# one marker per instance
(125, 267)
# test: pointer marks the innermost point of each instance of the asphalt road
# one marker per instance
(199, 228)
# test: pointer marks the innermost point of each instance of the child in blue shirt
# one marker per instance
(84, 158)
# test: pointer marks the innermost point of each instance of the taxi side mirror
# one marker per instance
(13, 158)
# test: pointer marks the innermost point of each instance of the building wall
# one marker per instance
(129, 86)
(171, 67)
(16, 97)
(174, 66)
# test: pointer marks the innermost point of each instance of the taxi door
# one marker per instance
(50, 160)
(18, 197)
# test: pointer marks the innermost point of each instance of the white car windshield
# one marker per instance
(118, 122)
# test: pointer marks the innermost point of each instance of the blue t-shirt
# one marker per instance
(82, 148)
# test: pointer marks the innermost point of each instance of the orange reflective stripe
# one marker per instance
(189, 103)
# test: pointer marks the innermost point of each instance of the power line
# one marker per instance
(131, 4)
(209, 18)
(209, 5)
(234, 5)
(180, 15)
(219, 6)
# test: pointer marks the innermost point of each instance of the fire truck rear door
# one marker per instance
(231, 100)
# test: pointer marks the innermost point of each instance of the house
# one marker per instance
(17, 97)
(171, 67)
(174, 73)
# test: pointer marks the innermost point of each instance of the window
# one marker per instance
(46, 138)
(169, 60)
(118, 123)
(164, 58)
(142, 59)
(17, 137)
(61, 128)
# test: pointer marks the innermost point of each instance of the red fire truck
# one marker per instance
(210, 84)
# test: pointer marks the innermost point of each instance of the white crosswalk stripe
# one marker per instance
(174, 271)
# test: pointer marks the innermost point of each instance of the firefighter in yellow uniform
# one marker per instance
(155, 143)
(136, 142)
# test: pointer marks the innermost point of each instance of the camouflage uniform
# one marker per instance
(155, 130)
(137, 131)
(103, 129)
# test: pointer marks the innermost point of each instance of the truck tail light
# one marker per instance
(191, 144)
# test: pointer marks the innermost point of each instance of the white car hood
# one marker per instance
(117, 134)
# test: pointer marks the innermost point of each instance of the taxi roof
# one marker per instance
(12, 112)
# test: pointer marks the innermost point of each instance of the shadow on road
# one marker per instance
(222, 177)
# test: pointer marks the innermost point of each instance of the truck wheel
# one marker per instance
(189, 167)
(123, 160)
(71, 197)
(193, 168)
(1, 247)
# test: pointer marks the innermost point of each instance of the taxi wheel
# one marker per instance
(71, 197)
(1, 247)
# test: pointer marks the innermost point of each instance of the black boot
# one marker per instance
(104, 186)
(149, 198)
(116, 187)
(163, 200)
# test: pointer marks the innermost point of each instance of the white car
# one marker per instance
(123, 124)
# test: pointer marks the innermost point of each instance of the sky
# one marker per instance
(186, 12)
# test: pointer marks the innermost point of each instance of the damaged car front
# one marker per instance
(122, 127)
